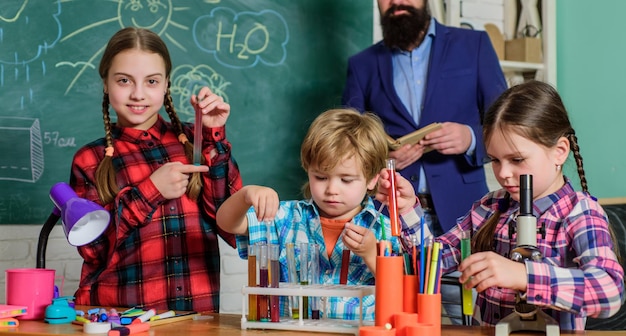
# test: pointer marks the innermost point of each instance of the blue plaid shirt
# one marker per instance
(299, 222)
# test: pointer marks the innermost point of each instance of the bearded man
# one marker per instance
(420, 73)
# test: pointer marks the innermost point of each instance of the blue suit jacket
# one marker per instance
(464, 78)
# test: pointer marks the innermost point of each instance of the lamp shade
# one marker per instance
(83, 220)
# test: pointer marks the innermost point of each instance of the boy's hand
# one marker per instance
(264, 200)
(361, 241)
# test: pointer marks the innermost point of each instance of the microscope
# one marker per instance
(526, 316)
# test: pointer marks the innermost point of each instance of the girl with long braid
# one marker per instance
(527, 131)
(161, 248)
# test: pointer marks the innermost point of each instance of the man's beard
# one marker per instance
(404, 31)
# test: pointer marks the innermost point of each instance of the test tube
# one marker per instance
(468, 304)
(393, 202)
(293, 278)
(274, 277)
(345, 264)
(315, 279)
(263, 306)
(252, 299)
(304, 276)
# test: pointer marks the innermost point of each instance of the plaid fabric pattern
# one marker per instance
(156, 253)
(579, 275)
(299, 222)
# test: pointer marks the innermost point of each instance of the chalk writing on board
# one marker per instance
(157, 16)
(187, 80)
(244, 39)
(22, 59)
(26, 162)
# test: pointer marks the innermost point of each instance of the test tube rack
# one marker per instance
(320, 290)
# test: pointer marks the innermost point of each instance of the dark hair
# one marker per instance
(144, 40)
(535, 111)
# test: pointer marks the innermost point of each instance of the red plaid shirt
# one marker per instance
(156, 253)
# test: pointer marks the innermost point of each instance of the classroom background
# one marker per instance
(277, 62)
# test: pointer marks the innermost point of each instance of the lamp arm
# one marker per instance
(43, 237)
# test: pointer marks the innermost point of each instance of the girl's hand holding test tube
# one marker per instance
(405, 194)
(213, 108)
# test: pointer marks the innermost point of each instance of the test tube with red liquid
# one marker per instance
(263, 301)
(393, 202)
(274, 277)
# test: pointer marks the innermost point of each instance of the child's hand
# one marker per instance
(172, 178)
(214, 110)
(361, 241)
(489, 269)
(405, 194)
(264, 200)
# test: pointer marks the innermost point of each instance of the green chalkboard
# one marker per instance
(279, 63)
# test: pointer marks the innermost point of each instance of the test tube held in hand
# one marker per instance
(466, 251)
(315, 279)
(293, 278)
(393, 202)
(252, 298)
(263, 302)
(197, 138)
(304, 276)
(274, 277)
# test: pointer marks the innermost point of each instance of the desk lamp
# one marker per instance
(83, 220)
(526, 316)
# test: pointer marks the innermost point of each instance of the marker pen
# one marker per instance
(145, 316)
(169, 313)
(133, 328)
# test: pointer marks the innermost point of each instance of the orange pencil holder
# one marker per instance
(389, 293)
(403, 320)
(429, 311)
(376, 331)
(422, 329)
(409, 285)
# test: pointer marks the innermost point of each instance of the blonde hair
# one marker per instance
(145, 40)
(340, 133)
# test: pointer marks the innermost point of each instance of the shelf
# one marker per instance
(321, 325)
(508, 66)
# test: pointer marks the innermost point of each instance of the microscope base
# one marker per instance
(540, 322)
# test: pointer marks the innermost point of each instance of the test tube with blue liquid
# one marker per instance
(304, 276)
(468, 304)
(315, 280)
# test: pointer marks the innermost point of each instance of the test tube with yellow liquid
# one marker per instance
(252, 298)
(292, 278)
(468, 302)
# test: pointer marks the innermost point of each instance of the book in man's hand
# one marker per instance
(413, 137)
